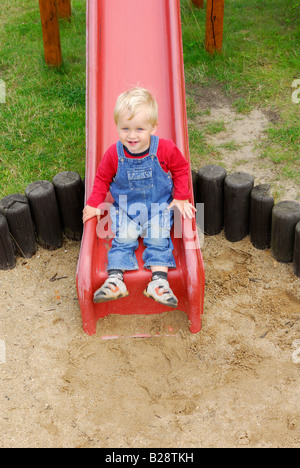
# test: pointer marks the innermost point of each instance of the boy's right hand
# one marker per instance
(89, 212)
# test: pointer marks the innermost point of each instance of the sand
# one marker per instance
(234, 384)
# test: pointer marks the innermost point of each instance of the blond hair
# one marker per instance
(133, 101)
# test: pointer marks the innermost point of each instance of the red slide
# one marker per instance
(135, 43)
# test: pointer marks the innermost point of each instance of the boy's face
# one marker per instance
(136, 133)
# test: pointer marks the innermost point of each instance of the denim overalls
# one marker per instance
(142, 192)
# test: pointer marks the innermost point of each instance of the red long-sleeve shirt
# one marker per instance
(169, 157)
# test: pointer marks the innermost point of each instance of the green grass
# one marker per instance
(43, 121)
(215, 127)
(259, 62)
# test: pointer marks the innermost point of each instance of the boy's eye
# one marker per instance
(140, 129)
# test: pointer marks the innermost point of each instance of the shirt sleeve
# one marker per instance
(179, 168)
(105, 174)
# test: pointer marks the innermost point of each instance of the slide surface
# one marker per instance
(135, 43)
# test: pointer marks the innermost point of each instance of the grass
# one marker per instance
(43, 120)
(258, 64)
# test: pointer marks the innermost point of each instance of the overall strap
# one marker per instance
(120, 150)
(153, 145)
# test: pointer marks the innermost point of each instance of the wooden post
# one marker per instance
(45, 214)
(7, 254)
(51, 35)
(17, 212)
(64, 9)
(70, 198)
(237, 196)
(198, 3)
(214, 26)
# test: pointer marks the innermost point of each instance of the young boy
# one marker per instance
(141, 171)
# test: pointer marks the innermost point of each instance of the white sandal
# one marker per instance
(160, 291)
(113, 288)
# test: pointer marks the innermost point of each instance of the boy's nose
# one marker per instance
(132, 133)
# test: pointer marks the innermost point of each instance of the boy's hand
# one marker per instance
(185, 207)
(89, 212)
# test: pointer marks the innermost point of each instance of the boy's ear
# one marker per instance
(154, 129)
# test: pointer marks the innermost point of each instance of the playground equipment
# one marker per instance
(58, 206)
(135, 43)
(51, 11)
(214, 24)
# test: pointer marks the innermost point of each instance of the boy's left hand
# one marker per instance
(185, 207)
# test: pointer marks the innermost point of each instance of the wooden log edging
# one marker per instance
(47, 212)
(261, 207)
(285, 216)
(211, 193)
(50, 210)
(69, 191)
(237, 194)
(297, 251)
(7, 254)
(250, 210)
(17, 212)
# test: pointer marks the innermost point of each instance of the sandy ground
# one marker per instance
(236, 147)
(235, 384)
